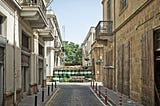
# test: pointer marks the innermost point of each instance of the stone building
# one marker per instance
(135, 49)
(86, 46)
(23, 31)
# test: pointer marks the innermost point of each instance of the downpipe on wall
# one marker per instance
(115, 75)
(14, 61)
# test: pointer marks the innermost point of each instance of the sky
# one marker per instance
(75, 17)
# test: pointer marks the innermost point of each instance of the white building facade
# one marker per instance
(53, 52)
(24, 31)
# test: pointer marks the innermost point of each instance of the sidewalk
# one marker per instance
(114, 97)
(29, 100)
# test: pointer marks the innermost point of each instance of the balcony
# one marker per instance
(46, 34)
(50, 47)
(104, 31)
(34, 12)
(57, 47)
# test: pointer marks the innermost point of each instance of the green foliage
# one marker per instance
(73, 52)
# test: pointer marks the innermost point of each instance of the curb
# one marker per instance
(48, 103)
(110, 102)
(97, 97)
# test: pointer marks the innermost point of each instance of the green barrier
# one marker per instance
(66, 75)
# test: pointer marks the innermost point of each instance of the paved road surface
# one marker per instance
(75, 95)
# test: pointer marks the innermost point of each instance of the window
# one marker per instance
(123, 4)
(3, 25)
(41, 50)
(25, 41)
(109, 10)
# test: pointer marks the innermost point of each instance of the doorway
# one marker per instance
(1, 76)
(1, 84)
(157, 67)
(40, 76)
(25, 79)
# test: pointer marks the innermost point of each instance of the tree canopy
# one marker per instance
(73, 53)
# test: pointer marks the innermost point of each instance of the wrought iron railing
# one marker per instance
(33, 3)
(104, 27)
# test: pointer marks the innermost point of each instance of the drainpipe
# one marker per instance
(14, 61)
(115, 77)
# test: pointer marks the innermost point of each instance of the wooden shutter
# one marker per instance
(147, 68)
(109, 72)
(120, 74)
(126, 72)
(124, 68)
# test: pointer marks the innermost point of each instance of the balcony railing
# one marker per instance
(46, 34)
(35, 12)
(33, 3)
(104, 30)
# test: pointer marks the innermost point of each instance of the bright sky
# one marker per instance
(75, 17)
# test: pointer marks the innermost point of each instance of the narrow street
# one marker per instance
(76, 95)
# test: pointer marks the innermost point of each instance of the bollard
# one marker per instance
(105, 99)
(120, 100)
(55, 84)
(48, 90)
(99, 91)
(42, 95)
(52, 86)
(35, 101)
(105, 91)
(93, 84)
(96, 87)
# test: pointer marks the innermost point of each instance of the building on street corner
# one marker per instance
(25, 29)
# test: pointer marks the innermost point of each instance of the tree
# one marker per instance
(73, 53)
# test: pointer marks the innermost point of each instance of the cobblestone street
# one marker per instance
(75, 95)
